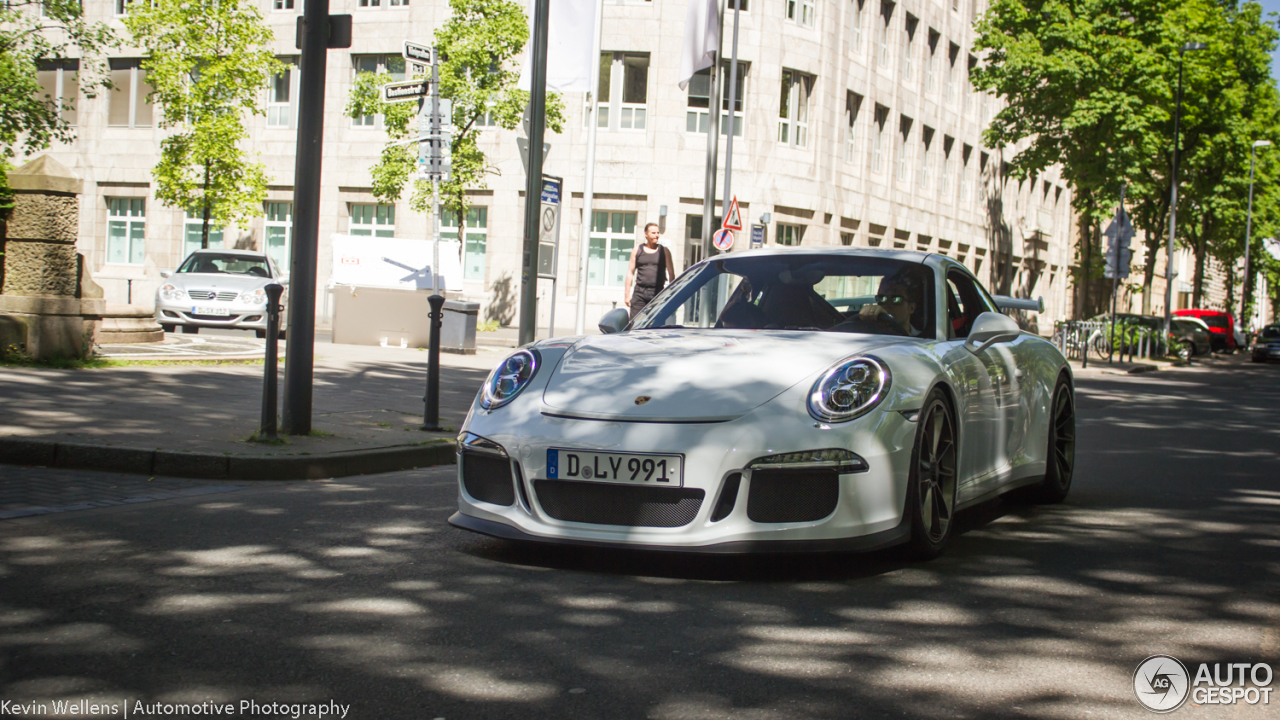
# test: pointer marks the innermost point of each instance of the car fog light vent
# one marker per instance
(728, 498)
(488, 478)
(785, 496)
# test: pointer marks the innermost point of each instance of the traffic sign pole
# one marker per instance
(1115, 281)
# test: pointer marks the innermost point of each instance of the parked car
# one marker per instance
(787, 425)
(1267, 345)
(1152, 323)
(218, 288)
(1194, 334)
(1220, 323)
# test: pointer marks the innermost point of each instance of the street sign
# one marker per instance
(1118, 256)
(418, 54)
(523, 145)
(549, 226)
(734, 221)
(758, 235)
(405, 90)
(723, 239)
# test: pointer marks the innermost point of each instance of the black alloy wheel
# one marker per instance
(1060, 461)
(931, 494)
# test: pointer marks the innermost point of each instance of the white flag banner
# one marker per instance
(569, 40)
(701, 38)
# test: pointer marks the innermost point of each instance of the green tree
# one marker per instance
(477, 45)
(33, 31)
(209, 62)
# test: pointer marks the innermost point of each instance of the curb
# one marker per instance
(211, 466)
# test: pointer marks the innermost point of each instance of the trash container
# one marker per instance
(458, 327)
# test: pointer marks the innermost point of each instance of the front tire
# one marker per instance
(191, 329)
(1060, 461)
(168, 327)
(932, 482)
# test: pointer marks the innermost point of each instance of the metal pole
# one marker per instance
(267, 424)
(533, 184)
(1115, 281)
(733, 99)
(300, 350)
(588, 193)
(1248, 231)
(709, 185)
(431, 414)
(435, 126)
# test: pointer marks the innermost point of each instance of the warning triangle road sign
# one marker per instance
(734, 221)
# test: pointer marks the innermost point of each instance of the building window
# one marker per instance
(283, 4)
(194, 227)
(908, 55)
(629, 96)
(925, 169)
(790, 234)
(392, 65)
(904, 148)
(126, 230)
(931, 67)
(280, 97)
(968, 87)
(486, 119)
(129, 106)
(371, 4)
(878, 137)
(800, 12)
(698, 112)
(882, 41)
(855, 30)
(846, 238)
(793, 112)
(853, 105)
(279, 232)
(473, 242)
(613, 237)
(122, 7)
(60, 85)
(372, 220)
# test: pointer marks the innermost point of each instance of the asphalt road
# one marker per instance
(356, 591)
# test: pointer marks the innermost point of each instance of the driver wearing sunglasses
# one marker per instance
(897, 300)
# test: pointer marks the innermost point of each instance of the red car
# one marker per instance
(1221, 325)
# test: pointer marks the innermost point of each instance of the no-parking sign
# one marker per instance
(723, 239)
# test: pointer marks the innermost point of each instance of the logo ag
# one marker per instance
(1161, 683)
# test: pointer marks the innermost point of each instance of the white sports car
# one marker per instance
(832, 399)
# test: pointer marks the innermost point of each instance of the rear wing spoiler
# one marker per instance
(1004, 302)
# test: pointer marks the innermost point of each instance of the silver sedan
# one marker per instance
(218, 288)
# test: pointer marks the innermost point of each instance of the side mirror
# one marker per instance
(615, 321)
(165, 273)
(990, 328)
(283, 279)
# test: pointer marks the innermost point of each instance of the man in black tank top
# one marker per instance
(651, 269)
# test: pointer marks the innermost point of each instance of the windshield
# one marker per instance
(1271, 332)
(828, 293)
(226, 263)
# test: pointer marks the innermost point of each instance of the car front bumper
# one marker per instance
(239, 315)
(868, 512)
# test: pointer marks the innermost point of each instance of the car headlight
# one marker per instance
(172, 292)
(508, 379)
(257, 297)
(849, 390)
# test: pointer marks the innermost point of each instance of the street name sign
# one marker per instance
(417, 54)
(757, 236)
(405, 90)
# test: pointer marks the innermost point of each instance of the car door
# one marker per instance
(988, 380)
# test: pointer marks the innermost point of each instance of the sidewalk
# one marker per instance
(194, 421)
(1143, 365)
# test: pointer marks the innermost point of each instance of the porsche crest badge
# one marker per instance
(643, 399)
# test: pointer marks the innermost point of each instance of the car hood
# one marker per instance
(691, 375)
(218, 281)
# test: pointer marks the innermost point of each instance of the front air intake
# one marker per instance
(787, 496)
(612, 504)
(487, 478)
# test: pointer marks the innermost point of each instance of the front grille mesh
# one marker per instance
(209, 295)
(782, 496)
(487, 478)
(610, 504)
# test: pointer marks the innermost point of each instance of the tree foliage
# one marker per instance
(209, 62)
(477, 45)
(29, 118)
(1091, 86)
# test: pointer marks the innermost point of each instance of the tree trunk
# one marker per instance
(204, 227)
(1086, 259)
(1197, 290)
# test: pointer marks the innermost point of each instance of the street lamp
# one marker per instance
(1173, 195)
(1248, 230)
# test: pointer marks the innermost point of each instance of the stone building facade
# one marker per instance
(857, 126)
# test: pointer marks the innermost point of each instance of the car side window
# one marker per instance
(965, 302)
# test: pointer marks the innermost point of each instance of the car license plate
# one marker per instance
(626, 468)
(210, 311)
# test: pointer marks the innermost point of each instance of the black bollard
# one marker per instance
(267, 428)
(431, 415)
